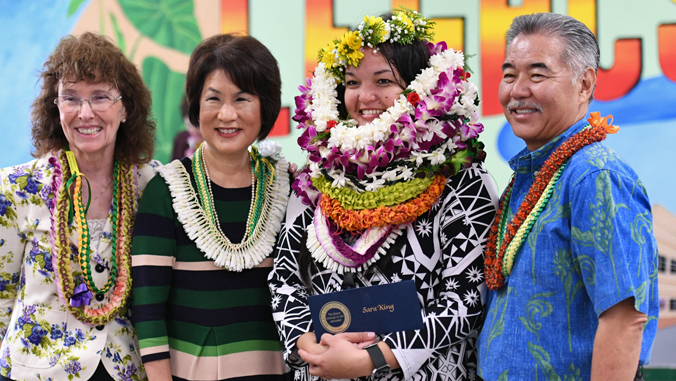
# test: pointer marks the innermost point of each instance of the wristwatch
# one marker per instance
(381, 367)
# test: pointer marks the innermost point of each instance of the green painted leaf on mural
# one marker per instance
(166, 88)
(118, 33)
(74, 6)
(170, 23)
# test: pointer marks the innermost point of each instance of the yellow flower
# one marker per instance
(352, 39)
(374, 28)
(327, 56)
(372, 21)
(354, 57)
(406, 21)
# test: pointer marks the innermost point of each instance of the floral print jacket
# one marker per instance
(41, 339)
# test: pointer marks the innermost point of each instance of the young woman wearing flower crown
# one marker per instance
(208, 225)
(393, 190)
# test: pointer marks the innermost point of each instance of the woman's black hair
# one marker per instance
(248, 64)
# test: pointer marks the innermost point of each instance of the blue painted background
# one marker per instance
(29, 31)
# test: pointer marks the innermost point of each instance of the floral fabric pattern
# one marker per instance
(591, 248)
(41, 339)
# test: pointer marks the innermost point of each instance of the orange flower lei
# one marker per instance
(61, 252)
(494, 258)
(356, 220)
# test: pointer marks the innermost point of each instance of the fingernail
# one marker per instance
(370, 335)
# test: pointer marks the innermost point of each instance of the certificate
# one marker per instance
(381, 309)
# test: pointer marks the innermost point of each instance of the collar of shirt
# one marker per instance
(530, 162)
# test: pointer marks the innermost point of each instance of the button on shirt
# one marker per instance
(591, 248)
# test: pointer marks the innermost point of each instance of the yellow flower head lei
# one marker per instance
(405, 26)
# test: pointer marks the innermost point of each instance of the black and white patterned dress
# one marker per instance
(442, 253)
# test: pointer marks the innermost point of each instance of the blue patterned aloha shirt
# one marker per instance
(591, 248)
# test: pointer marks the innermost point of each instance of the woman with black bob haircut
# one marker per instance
(207, 226)
(394, 190)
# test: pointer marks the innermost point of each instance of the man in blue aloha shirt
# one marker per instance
(574, 292)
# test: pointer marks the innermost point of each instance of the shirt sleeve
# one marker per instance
(289, 296)
(612, 241)
(153, 255)
(12, 246)
(453, 321)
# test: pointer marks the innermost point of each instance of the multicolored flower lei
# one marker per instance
(504, 240)
(436, 134)
(76, 297)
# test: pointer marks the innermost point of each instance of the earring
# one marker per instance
(124, 120)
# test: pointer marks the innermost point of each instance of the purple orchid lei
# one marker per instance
(431, 129)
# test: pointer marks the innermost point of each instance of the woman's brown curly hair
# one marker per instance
(94, 59)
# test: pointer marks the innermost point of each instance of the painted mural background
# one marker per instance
(637, 82)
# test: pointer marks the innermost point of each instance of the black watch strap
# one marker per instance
(379, 362)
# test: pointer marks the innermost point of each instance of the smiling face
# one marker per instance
(537, 92)
(91, 133)
(230, 119)
(371, 88)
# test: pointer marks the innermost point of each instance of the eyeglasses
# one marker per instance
(98, 102)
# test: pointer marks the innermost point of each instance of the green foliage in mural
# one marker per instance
(74, 6)
(118, 33)
(170, 23)
(166, 89)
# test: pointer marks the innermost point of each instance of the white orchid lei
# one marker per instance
(430, 129)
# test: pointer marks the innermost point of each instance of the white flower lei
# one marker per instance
(344, 136)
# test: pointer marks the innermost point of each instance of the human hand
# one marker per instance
(343, 357)
(308, 343)
(359, 339)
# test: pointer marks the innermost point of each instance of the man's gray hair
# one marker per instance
(580, 49)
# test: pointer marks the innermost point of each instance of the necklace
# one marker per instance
(401, 213)
(206, 194)
(104, 189)
(76, 296)
(505, 239)
(195, 209)
(327, 247)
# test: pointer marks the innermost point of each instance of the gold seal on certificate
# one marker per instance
(335, 317)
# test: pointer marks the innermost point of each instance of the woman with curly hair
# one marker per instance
(66, 220)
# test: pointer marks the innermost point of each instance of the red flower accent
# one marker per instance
(330, 124)
(413, 98)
